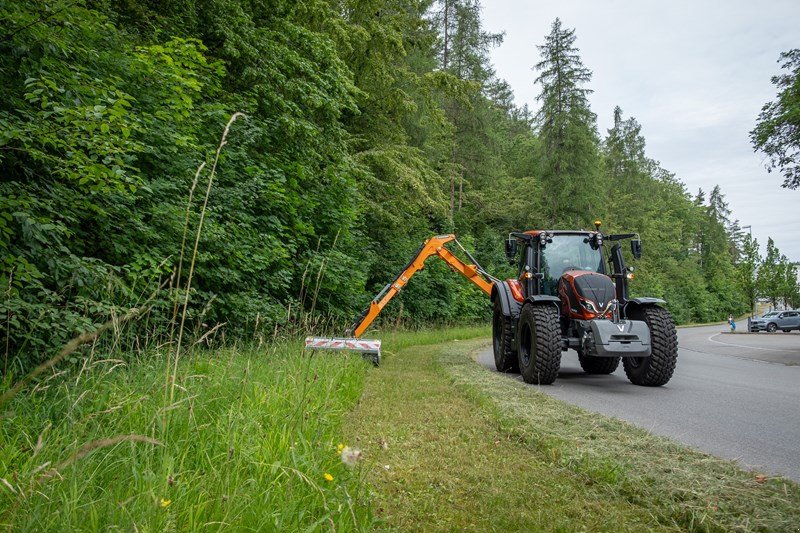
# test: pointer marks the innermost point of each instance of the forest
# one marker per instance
(366, 126)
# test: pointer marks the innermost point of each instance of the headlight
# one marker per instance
(589, 306)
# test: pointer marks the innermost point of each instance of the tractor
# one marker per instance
(567, 294)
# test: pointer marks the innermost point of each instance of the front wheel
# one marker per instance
(505, 359)
(772, 327)
(539, 344)
(657, 369)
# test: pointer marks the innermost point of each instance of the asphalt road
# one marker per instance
(735, 396)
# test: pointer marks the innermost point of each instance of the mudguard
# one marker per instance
(508, 304)
(545, 298)
(641, 302)
(646, 300)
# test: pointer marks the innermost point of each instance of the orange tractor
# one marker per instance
(569, 293)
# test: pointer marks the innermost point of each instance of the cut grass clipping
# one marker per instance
(450, 446)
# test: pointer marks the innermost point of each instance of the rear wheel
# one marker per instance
(539, 338)
(657, 369)
(505, 358)
(772, 327)
(591, 364)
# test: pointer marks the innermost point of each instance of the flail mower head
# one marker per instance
(370, 349)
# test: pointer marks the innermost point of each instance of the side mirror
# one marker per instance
(636, 248)
(511, 250)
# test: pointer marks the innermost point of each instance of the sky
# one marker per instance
(694, 74)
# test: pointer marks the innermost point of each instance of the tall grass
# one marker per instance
(251, 436)
(232, 438)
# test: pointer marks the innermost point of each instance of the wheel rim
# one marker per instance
(771, 328)
(525, 345)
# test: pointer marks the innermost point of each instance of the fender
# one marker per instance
(508, 304)
(646, 300)
(641, 302)
(545, 298)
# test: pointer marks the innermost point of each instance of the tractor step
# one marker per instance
(370, 349)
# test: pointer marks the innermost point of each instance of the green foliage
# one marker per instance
(371, 125)
(777, 131)
(569, 159)
(746, 269)
(777, 278)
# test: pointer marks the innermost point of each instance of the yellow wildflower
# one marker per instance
(339, 448)
(328, 477)
(165, 503)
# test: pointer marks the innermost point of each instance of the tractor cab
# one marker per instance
(571, 265)
(567, 252)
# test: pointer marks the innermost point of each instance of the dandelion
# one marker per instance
(165, 503)
(350, 456)
(328, 477)
(339, 448)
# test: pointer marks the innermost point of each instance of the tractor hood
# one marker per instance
(582, 285)
(596, 287)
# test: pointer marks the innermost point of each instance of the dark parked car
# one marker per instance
(775, 320)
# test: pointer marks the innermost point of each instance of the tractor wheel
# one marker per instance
(657, 369)
(591, 364)
(772, 327)
(597, 365)
(539, 339)
(505, 359)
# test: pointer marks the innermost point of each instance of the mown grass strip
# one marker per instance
(439, 460)
(677, 485)
(450, 446)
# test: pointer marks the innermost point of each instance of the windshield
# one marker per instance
(568, 252)
(771, 313)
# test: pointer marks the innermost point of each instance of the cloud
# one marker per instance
(694, 74)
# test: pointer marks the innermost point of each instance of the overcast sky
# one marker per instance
(694, 74)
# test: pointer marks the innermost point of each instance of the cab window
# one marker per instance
(568, 252)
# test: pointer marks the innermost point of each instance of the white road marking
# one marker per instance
(711, 338)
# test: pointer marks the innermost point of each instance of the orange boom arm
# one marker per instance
(433, 246)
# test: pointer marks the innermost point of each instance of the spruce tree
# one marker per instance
(568, 131)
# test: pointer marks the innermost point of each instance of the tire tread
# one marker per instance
(660, 366)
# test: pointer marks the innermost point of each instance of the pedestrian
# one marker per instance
(732, 322)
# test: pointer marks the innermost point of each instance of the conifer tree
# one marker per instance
(568, 131)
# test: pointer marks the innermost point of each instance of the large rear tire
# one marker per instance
(505, 358)
(539, 344)
(590, 363)
(598, 365)
(657, 369)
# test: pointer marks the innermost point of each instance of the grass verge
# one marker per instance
(451, 446)
(248, 442)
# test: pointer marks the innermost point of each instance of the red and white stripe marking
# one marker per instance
(336, 343)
